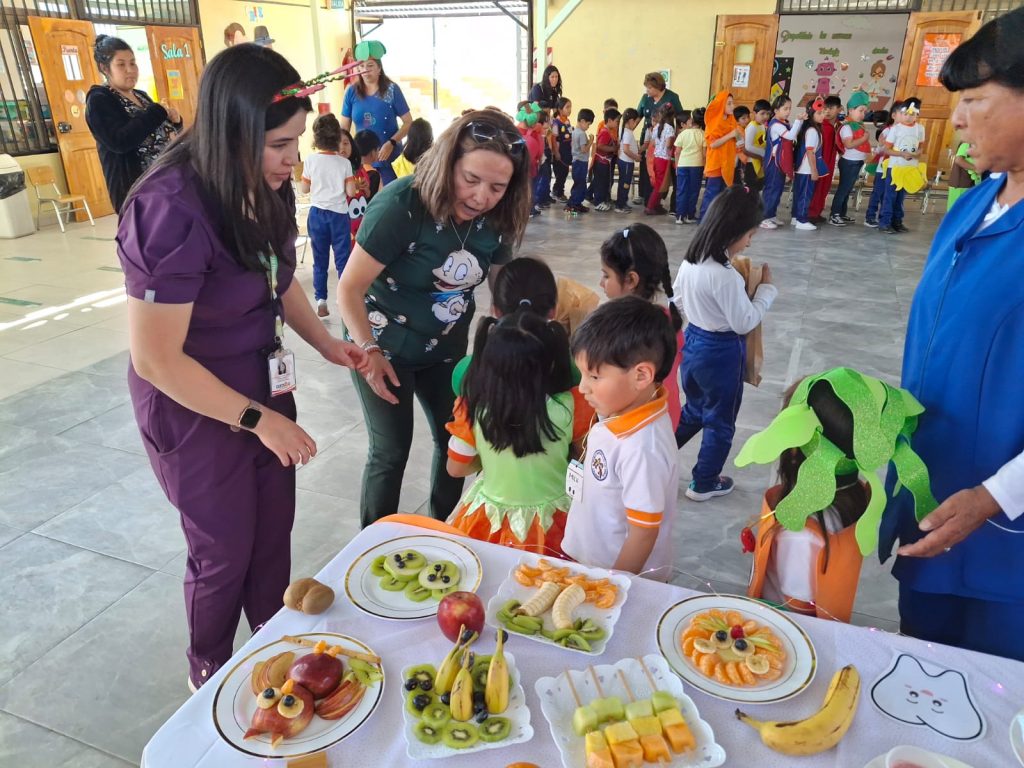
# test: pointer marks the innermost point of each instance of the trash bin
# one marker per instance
(15, 214)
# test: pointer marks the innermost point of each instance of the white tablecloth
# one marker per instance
(188, 738)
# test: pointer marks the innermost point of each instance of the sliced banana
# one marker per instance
(290, 706)
(268, 698)
(757, 664)
(704, 646)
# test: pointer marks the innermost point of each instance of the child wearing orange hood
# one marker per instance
(720, 135)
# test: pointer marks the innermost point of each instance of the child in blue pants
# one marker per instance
(581, 144)
(689, 155)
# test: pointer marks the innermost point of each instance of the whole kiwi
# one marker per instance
(309, 596)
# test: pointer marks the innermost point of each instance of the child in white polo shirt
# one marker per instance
(626, 486)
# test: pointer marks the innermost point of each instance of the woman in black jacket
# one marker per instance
(130, 130)
(548, 90)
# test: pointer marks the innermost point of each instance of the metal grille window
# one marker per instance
(26, 125)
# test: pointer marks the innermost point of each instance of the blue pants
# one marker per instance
(579, 182)
(712, 187)
(561, 171)
(625, 182)
(849, 170)
(328, 230)
(774, 183)
(875, 202)
(892, 203)
(711, 376)
(600, 187)
(979, 625)
(803, 191)
(688, 190)
(542, 184)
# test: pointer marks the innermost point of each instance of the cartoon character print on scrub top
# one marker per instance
(456, 279)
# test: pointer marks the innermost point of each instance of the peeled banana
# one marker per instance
(462, 692)
(822, 730)
(496, 690)
(570, 598)
(541, 601)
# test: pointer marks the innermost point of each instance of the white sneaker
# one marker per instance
(806, 226)
(778, 222)
(769, 224)
(322, 309)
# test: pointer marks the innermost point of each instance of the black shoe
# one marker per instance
(888, 230)
(837, 221)
(899, 227)
(871, 223)
(848, 219)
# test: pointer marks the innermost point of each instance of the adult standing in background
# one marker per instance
(548, 90)
(656, 93)
(130, 130)
(375, 103)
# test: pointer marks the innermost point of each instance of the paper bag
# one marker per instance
(575, 302)
(755, 346)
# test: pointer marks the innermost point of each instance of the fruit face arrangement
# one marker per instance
(459, 703)
(627, 736)
(601, 592)
(290, 691)
(410, 573)
(733, 650)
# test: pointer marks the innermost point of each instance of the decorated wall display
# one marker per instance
(937, 47)
(838, 54)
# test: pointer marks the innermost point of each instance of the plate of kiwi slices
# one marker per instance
(405, 578)
(431, 730)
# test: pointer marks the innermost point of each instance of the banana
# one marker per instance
(566, 602)
(822, 730)
(541, 601)
(462, 692)
(496, 690)
(445, 677)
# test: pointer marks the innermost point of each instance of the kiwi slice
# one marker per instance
(421, 672)
(437, 594)
(494, 729)
(404, 566)
(391, 584)
(437, 715)
(415, 697)
(459, 735)
(443, 574)
(377, 567)
(415, 592)
(428, 734)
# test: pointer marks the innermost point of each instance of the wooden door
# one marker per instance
(930, 38)
(64, 48)
(744, 54)
(177, 57)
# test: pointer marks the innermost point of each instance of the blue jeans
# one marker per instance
(625, 182)
(875, 202)
(579, 182)
(688, 190)
(892, 203)
(600, 187)
(774, 183)
(542, 184)
(711, 376)
(328, 230)
(849, 170)
(712, 187)
(803, 191)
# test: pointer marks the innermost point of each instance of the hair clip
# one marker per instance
(525, 303)
(305, 88)
(818, 105)
(625, 233)
(911, 109)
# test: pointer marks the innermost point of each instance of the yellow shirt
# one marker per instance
(403, 167)
(690, 144)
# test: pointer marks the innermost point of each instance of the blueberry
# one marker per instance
(478, 707)
(740, 645)
(438, 566)
(721, 635)
(466, 636)
(482, 715)
(268, 693)
(421, 701)
(446, 699)
(398, 558)
(504, 636)
(411, 683)
(446, 579)
(426, 685)
(401, 564)
(288, 700)
(431, 577)
(478, 697)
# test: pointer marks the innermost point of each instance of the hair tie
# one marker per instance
(525, 303)
(625, 233)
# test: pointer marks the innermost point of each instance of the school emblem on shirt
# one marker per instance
(599, 465)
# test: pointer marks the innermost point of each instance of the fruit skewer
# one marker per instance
(595, 745)
(673, 725)
(622, 738)
(337, 649)
(640, 715)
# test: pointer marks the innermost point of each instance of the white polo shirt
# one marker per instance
(630, 477)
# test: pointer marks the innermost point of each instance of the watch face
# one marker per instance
(250, 418)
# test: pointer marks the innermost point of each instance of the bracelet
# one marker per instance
(373, 348)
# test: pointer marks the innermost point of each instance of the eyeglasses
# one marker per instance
(484, 132)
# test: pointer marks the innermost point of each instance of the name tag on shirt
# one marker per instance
(574, 480)
(281, 366)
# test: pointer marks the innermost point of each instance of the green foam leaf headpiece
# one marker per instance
(529, 114)
(884, 418)
(369, 49)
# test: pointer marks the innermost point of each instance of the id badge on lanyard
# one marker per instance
(280, 362)
(574, 480)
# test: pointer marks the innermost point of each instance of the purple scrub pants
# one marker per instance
(237, 504)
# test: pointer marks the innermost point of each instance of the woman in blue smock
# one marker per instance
(375, 103)
(961, 569)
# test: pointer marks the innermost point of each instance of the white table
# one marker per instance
(188, 738)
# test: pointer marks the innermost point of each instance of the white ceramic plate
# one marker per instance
(364, 590)
(558, 705)
(879, 762)
(511, 589)
(801, 660)
(234, 704)
(517, 712)
(1017, 736)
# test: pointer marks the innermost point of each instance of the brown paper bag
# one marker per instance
(575, 302)
(755, 345)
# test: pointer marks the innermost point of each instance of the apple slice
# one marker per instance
(275, 671)
(341, 701)
(254, 680)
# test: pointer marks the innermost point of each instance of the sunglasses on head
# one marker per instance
(514, 144)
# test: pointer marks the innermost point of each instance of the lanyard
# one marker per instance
(271, 267)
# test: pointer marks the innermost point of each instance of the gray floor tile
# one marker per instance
(26, 745)
(8, 534)
(50, 590)
(114, 429)
(64, 402)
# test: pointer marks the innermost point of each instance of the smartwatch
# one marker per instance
(250, 417)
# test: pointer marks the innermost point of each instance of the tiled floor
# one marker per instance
(91, 554)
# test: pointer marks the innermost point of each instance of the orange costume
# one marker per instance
(721, 161)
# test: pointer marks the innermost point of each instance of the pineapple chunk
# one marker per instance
(595, 742)
(647, 726)
(655, 749)
(618, 733)
(628, 754)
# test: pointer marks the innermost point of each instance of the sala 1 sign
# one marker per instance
(172, 51)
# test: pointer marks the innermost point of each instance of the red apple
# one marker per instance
(457, 609)
(278, 721)
(319, 673)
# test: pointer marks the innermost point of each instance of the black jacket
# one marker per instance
(118, 137)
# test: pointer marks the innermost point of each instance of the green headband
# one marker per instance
(370, 49)
(884, 418)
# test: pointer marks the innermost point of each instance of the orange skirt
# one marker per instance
(475, 524)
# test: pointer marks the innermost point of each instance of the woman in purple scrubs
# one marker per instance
(207, 244)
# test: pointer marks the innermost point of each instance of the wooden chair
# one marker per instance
(63, 205)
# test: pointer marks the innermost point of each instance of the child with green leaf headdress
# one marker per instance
(839, 430)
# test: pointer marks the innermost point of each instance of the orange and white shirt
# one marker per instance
(630, 477)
